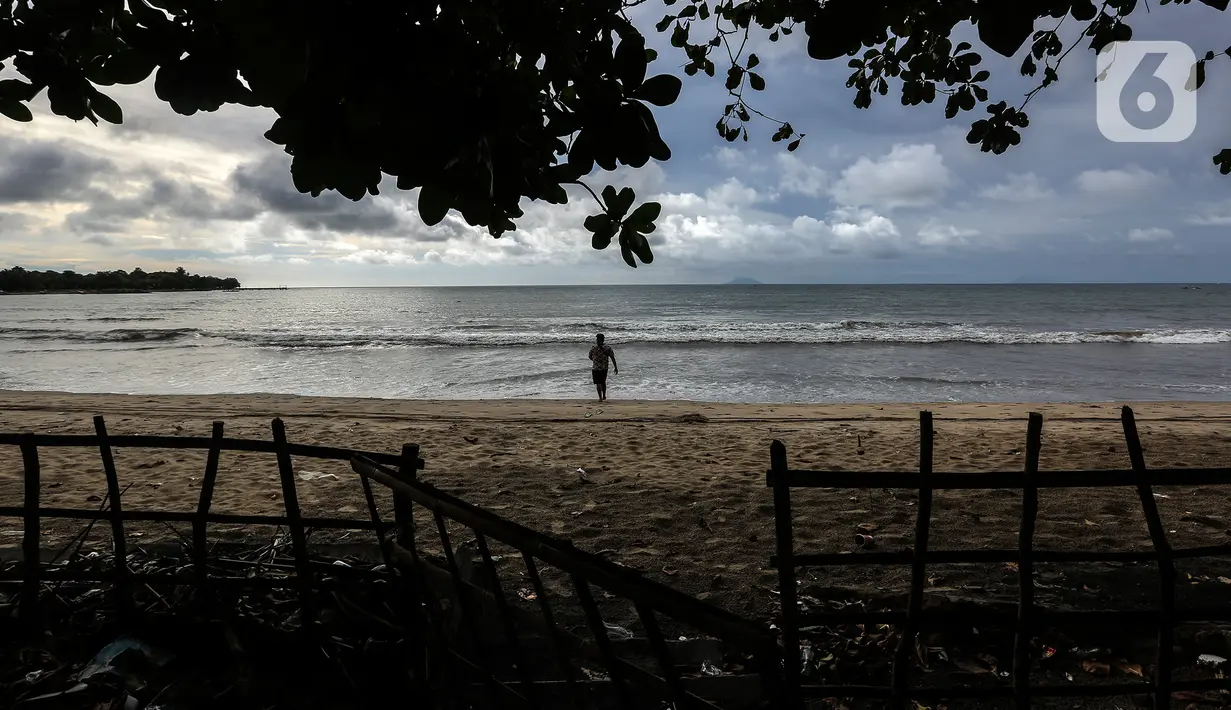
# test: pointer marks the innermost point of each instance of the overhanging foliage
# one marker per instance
(482, 104)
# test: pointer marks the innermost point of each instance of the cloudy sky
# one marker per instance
(889, 194)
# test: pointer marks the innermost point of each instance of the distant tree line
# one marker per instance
(19, 280)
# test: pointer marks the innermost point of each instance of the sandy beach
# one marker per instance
(676, 489)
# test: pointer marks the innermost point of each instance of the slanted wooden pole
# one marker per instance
(123, 591)
(1166, 564)
(200, 550)
(299, 540)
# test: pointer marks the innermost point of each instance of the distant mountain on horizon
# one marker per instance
(743, 281)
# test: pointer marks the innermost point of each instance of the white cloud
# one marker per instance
(732, 193)
(1214, 214)
(935, 234)
(1150, 234)
(1216, 220)
(297, 261)
(377, 256)
(907, 176)
(1125, 181)
(797, 177)
(729, 157)
(864, 232)
(1019, 187)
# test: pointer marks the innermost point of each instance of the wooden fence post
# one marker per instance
(787, 594)
(923, 521)
(299, 540)
(403, 508)
(200, 551)
(31, 538)
(1166, 564)
(123, 594)
(1025, 563)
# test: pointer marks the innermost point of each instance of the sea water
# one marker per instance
(720, 343)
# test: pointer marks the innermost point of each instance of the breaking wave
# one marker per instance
(488, 335)
(115, 335)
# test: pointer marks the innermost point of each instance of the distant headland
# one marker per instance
(19, 280)
(744, 281)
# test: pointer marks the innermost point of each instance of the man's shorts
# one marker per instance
(600, 377)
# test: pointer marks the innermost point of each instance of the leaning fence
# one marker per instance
(472, 643)
(626, 680)
(909, 622)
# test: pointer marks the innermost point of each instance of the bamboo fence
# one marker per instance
(781, 478)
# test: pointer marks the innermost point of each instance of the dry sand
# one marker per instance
(676, 489)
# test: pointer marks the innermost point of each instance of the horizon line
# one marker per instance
(763, 283)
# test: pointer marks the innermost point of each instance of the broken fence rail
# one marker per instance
(781, 478)
(585, 571)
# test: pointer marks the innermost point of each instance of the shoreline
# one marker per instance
(564, 410)
(124, 291)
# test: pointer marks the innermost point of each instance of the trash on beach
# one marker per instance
(527, 595)
(125, 658)
(708, 668)
(1161, 495)
(1209, 659)
(618, 633)
(862, 540)
(314, 476)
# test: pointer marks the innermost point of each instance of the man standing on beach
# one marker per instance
(599, 355)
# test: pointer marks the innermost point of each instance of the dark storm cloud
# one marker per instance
(268, 182)
(46, 172)
(161, 197)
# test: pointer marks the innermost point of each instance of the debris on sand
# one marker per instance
(315, 476)
(248, 652)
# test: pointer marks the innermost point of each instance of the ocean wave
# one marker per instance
(115, 335)
(661, 333)
(835, 333)
(93, 319)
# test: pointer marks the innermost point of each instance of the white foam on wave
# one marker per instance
(664, 332)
